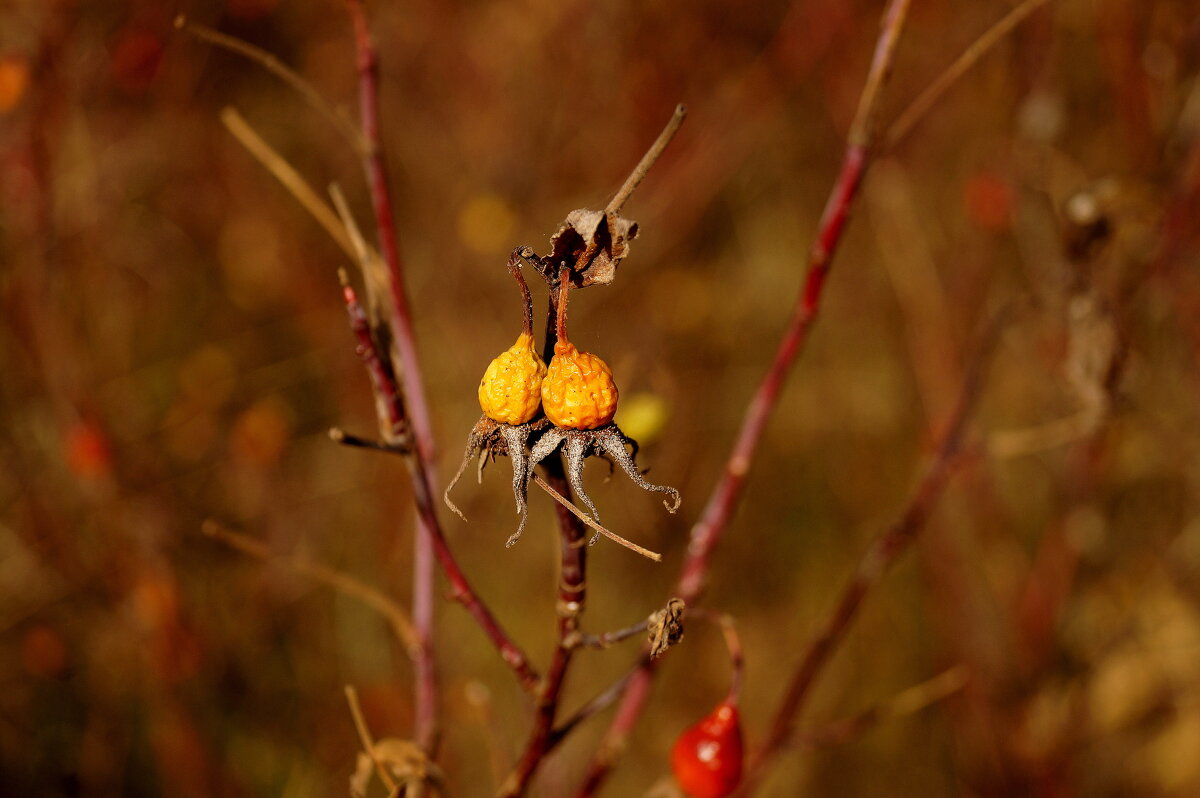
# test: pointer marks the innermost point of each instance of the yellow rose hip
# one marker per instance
(510, 390)
(578, 391)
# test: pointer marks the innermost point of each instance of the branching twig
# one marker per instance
(343, 583)
(366, 740)
(586, 519)
(281, 70)
(572, 594)
(288, 177)
(725, 496)
(919, 107)
(652, 155)
(912, 700)
(878, 558)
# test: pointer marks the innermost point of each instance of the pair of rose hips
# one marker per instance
(576, 391)
(531, 409)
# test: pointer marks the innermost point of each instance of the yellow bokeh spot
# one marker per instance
(486, 223)
(642, 416)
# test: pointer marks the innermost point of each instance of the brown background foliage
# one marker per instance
(173, 348)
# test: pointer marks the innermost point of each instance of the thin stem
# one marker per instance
(365, 738)
(429, 542)
(564, 288)
(332, 578)
(737, 659)
(726, 494)
(514, 268)
(339, 435)
(656, 149)
(572, 596)
(878, 558)
(606, 639)
(387, 403)
(596, 705)
(281, 70)
(586, 519)
(288, 177)
(912, 700)
(919, 107)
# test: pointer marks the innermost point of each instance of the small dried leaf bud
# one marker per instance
(510, 390)
(579, 391)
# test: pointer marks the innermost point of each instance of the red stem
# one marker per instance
(430, 542)
(514, 268)
(714, 520)
(878, 558)
(572, 594)
(564, 289)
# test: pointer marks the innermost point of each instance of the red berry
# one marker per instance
(707, 757)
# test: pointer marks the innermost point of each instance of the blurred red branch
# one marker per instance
(879, 557)
(723, 501)
(431, 541)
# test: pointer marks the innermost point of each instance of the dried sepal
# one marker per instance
(592, 243)
(608, 441)
(489, 439)
(664, 627)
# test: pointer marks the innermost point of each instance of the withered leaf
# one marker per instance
(592, 243)
(665, 627)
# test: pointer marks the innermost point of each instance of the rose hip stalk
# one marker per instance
(579, 396)
(510, 394)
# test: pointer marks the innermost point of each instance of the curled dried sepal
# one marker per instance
(487, 440)
(592, 243)
(665, 627)
(579, 443)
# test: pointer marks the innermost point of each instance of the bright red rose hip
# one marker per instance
(707, 757)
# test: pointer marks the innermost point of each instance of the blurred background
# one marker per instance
(173, 348)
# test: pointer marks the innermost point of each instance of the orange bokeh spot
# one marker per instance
(88, 453)
(989, 201)
(14, 79)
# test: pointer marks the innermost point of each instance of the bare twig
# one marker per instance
(366, 740)
(919, 107)
(336, 117)
(287, 175)
(606, 639)
(343, 583)
(387, 402)
(737, 659)
(879, 557)
(339, 435)
(912, 700)
(572, 596)
(859, 152)
(599, 703)
(586, 519)
(652, 155)
(429, 542)
(725, 496)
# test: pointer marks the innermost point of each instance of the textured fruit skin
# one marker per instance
(578, 391)
(707, 757)
(510, 390)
